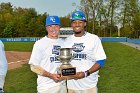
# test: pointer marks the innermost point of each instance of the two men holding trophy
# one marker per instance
(78, 61)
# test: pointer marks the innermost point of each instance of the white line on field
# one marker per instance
(18, 61)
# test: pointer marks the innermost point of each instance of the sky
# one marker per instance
(53, 7)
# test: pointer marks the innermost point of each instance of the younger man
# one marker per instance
(44, 60)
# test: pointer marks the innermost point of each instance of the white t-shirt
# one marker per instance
(86, 51)
(3, 61)
(44, 54)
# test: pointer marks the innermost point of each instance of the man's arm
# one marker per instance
(40, 71)
(37, 69)
(98, 65)
(94, 68)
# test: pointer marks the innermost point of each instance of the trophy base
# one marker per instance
(67, 72)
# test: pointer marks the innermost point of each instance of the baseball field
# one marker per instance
(121, 73)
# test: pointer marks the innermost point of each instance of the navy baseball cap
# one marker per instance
(52, 20)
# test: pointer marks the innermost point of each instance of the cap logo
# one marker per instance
(52, 19)
(77, 15)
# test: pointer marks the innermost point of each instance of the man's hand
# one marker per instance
(79, 75)
(55, 77)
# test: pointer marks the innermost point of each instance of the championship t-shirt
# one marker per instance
(44, 54)
(86, 51)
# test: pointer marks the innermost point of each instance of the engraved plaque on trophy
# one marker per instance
(66, 69)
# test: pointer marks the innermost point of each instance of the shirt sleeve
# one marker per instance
(36, 55)
(98, 50)
(101, 62)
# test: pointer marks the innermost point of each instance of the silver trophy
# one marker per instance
(65, 57)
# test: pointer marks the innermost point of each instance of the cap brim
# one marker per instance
(52, 24)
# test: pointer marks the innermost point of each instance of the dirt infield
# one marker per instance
(16, 59)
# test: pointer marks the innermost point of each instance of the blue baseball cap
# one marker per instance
(78, 15)
(52, 20)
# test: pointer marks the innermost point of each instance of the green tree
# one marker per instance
(65, 21)
(136, 25)
(8, 31)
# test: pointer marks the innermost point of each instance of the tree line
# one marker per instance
(113, 17)
(23, 22)
(106, 18)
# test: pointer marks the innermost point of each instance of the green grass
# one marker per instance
(19, 46)
(20, 80)
(121, 73)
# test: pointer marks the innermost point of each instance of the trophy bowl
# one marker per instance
(65, 57)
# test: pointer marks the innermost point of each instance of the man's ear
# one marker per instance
(46, 27)
(85, 24)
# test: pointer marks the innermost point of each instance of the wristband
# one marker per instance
(87, 73)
